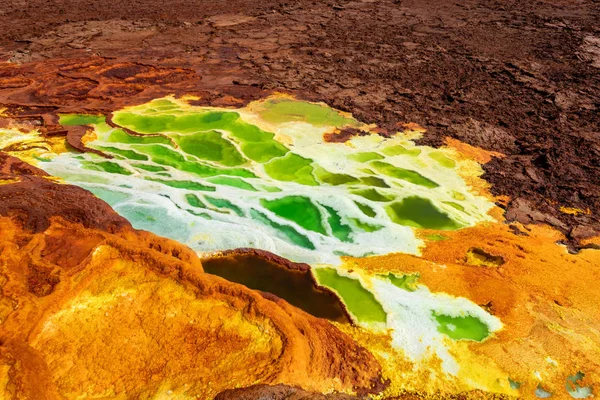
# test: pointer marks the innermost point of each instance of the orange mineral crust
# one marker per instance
(130, 313)
(89, 307)
(546, 298)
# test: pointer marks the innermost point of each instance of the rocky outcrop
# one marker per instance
(91, 307)
(278, 392)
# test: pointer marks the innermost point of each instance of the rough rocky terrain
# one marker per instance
(519, 78)
(85, 300)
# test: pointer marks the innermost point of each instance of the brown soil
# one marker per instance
(34, 201)
(520, 78)
(278, 392)
(285, 392)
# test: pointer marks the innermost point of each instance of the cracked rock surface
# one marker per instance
(519, 78)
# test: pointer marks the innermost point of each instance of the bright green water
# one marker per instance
(366, 157)
(284, 110)
(374, 181)
(224, 203)
(194, 201)
(200, 138)
(298, 209)
(203, 150)
(106, 166)
(406, 282)
(360, 302)
(365, 226)
(166, 156)
(233, 182)
(367, 210)
(292, 168)
(129, 154)
(120, 136)
(404, 174)
(334, 179)
(338, 228)
(189, 185)
(400, 150)
(285, 232)
(420, 213)
(149, 167)
(337, 198)
(80, 119)
(442, 159)
(462, 328)
(210, 146)
(373, 195)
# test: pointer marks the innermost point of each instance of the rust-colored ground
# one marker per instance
(90, 307)
(546, 298)
(519, 78)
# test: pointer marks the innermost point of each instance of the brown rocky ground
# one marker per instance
(284, 392)
(520, 78)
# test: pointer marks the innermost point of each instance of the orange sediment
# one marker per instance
(546, 298)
